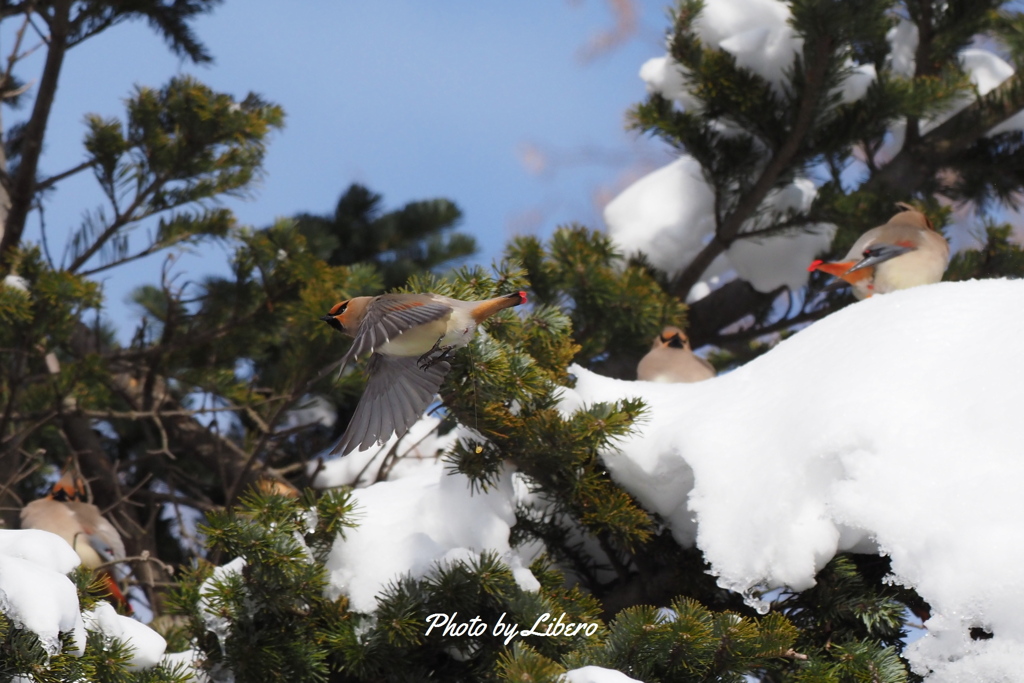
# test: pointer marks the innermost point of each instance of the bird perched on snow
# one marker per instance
(905, 252)
(410, 338)
(672, 360)
(64, 512)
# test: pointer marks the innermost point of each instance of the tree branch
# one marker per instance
(120, 221)
(148, 251)
(721, 308)
(917, 163)
(728, 229)
(53, 180)
(23, 184)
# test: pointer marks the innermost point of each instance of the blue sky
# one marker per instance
(414, 99)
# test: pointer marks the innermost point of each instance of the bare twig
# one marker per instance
(159, 412)
(19, 36)
(119, 221)
(754, 331)
(54, 179)
(126, 497)
(42, 232)
(144, 556)
(391, 458)
(28, 466)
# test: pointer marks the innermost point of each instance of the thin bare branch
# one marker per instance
(19, 36)
(54, 179)
(120, 221)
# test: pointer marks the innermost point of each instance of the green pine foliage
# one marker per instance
(402, 242)
(852, 622)
(277, 624)
(997, 257)
(687, 642)
(615, 307)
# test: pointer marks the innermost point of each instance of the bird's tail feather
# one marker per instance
(115, 591)
(485, 309)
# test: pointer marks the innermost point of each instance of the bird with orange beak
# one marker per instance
(410, 338)
(671, 359)
(65, 512)
(905, 252)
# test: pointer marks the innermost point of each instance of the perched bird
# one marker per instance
(410, 338)
(64, 512)
(905, 252)
(672, 360)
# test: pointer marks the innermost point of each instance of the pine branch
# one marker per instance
(916, 165)
(789, 153)
(121, 219)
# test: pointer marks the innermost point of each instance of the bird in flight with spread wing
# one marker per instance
(410, 338)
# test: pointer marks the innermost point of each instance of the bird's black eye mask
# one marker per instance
(333, 322)
(331, 317)
(675, 341)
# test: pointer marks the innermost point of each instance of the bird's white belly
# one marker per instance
(456, 331)
(414, 342)
(461, 328)
(90, 558)
(906, 271)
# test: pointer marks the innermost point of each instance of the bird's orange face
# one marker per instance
(336, 317)
(675, 340)
(68, 488)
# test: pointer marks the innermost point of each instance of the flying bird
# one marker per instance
(905, 252)
(64, 512)
(671, 359)
(410, 338)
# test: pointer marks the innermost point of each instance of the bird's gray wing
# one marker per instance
(396, 395)
(879, 253)
(99, 533)
(390, 316)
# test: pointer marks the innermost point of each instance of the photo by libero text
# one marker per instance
(475, 627)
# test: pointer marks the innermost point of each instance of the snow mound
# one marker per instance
(410, 525)
(36, 594)
(891, 424)
(39, 547)
(148, 645)
(38, 598)
(781, 260)
(903, 39)
(985, 69)
(756, 32)
(596, 674)
(668, 214)
(667, 77)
